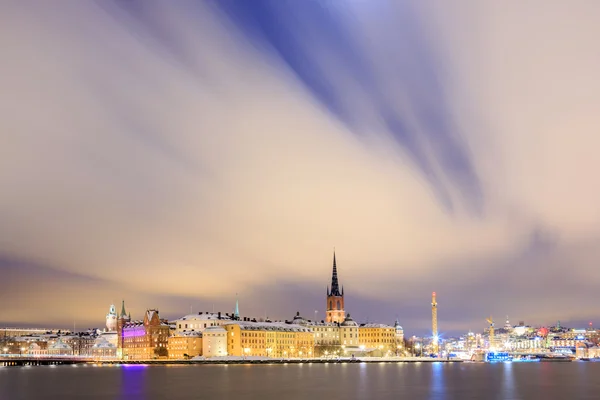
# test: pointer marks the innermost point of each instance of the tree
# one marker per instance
(161, 352)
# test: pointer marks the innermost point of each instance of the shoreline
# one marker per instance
(276, 361)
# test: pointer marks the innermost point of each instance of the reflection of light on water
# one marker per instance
(508, 383)
(437, 381)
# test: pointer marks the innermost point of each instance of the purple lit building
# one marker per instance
(143, 340)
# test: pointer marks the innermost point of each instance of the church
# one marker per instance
(335, 299)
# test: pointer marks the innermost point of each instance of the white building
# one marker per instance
(104, 349)
(36, 350)
(399, 333)
(111, 319)
(60, 348)
(199, 322)
(214, 342)
(349, 332)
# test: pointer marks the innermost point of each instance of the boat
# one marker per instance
(493, 356)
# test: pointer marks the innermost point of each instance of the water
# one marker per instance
(576, 380)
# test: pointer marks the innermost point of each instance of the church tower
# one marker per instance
(122, 320)
(335, 298)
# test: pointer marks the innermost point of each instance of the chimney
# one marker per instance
(219, 315)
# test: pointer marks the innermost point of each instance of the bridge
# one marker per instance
(21, 361)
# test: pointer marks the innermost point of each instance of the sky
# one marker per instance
(175, 154)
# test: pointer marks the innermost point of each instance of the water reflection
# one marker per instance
(437, 386)
(508, 382)
(132, 382)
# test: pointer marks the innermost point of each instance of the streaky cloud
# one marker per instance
(317, 42)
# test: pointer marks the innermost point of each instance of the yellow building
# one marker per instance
(269, 339)
(379, 338)
(185, 345)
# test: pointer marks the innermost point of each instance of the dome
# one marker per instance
(298, 319)
(349, 322)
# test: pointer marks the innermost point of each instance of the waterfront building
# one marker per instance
(6, 333)
(143, 340)
(60, 348)
(103, 349)
(325, 333)
(81, 342)
(378, 338)
(38, 350)
(269, 339)
(349, 332)
(199, 322)
(335, 298)
(214, 342)
(185, 345)
(399, 336)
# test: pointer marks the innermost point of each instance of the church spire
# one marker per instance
(236, 312)
(335, 286)
(123, 313)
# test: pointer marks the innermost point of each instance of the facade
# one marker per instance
(214, 342)
(81, 342)
(269, 339)
(349, 335)
(103, 349)
(6, 333)
(60, 348)
(37, 350)
(144, 340)
(199, 322)
(335, 299)
(325, 333)
(185, 345)
(378, 337)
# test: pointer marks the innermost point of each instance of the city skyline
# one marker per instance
(177, 155)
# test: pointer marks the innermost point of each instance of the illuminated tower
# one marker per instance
(236, 311)
(335, 298)
(434, 327)
(121, 322)
(491, 322)
(111, 319)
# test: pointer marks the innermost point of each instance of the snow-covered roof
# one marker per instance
(202, 316)
(102, 343)
(59, 345)
(270, 326)
(322, 324)
(150, 314)
(188, 334)
(215, 329)
(376, 326)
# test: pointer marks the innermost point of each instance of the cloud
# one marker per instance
(193, 151)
